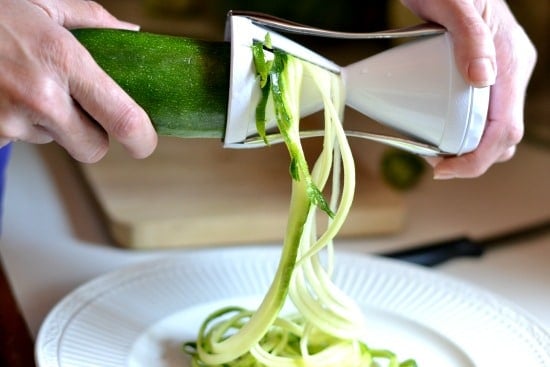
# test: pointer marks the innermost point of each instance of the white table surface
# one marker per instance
(53, 239)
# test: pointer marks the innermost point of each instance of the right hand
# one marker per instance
(51, 89)
(491, 49)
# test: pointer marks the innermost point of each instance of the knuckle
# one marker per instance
(475, 28)
(513, 135)
(476, 165)
(95, 9)
(49, 8)
(56, 51)
(28, 97)
(21, 112)
(10, 130)
(127, 122)
(478, 171)
(91, 154)
(530, 52)
(521, 48)
(42, 97)
(476, 168)
(508, 154)
(95, 155)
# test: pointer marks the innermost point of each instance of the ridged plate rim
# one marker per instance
(98, 322)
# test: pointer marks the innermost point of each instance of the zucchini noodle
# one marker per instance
(328, 327)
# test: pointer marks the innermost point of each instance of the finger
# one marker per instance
(81, 137)
(78, 14)
(508, 154)
(15, 125)
(119, 115)
(497, 145)
(41, 109)
(472, 39)
(467, 166)
(19, 129)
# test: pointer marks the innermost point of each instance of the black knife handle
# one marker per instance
(438, 253)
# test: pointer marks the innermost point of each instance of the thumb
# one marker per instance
(83, 13)
(472, 39)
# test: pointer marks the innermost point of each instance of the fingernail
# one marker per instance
(130, 26)
(444, 175)
(481, 72)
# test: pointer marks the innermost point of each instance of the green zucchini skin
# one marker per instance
(182, 83)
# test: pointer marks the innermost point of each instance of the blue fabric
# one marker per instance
(4, 157)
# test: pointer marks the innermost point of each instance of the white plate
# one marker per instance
(140, 316)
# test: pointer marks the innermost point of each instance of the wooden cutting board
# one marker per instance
(195, 193)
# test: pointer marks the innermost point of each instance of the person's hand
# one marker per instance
(491, 48)
(52, 90)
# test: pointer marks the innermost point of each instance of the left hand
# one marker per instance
(51, 89)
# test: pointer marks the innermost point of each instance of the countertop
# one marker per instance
(54, 239)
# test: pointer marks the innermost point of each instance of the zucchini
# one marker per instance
(401, 170)
(182, 83)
